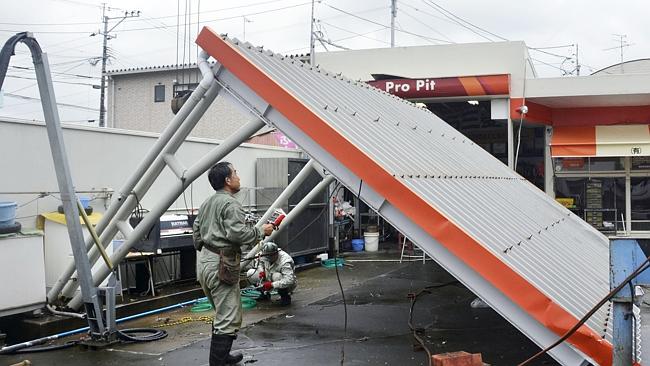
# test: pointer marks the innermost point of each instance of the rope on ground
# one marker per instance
(186, 319)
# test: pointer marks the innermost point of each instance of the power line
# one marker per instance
(225, 18)
(342, 39)
(49, 24)
(25, 68)
(135, 20)
(548, 64)
(31, 101)
(266, 30)
(430, 39)
(548, 53)
(61, 104)
(169, 26)
(364, 35)
(453, 16)
(426, 25)
(467, 22)
(78, 61)
(55, 81)
(459, 23)
(426, 13)
(80, 3)
(44, 32)
(552, 47)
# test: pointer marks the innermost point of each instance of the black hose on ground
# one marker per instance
(141, 334)
(132, 335)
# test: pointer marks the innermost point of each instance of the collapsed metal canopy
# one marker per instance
(533, 261)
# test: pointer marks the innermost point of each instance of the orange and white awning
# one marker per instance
(627, 140)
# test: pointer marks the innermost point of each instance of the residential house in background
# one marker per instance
(140, 99)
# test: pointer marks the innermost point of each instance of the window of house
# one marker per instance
(159, 93)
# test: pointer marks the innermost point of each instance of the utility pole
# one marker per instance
(246, 20)
(107, 36)
(393, 15)
(622, 44)
(312, 41)
(102, 87)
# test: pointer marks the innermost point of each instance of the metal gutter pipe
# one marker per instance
(292, 215)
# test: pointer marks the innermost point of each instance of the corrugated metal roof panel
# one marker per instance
(532, 251)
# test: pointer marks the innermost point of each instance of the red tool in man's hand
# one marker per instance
(277, 217)
(262, 275)
(267, 286)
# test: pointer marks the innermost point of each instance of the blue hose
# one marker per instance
(80, 330)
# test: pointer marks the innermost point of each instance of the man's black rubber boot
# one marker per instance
(219, 348)
(285, 298)
(233, 358)
(220, 351)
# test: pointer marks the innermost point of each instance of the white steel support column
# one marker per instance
(174, 191)
(288, 191)
(309, 198)
(294, 212)
(549, 173)
(511, 141)
(151, 166)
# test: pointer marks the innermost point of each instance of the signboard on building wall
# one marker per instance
(284, 140)
(445, 87)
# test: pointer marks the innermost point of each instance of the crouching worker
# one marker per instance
(219, 231)
(274, 270)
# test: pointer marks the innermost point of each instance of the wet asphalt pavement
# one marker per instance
(312, 331)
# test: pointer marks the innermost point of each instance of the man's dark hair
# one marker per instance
(218, 174)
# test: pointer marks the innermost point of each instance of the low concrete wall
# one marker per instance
(103, 159)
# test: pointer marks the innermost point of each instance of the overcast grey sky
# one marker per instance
(63, 28)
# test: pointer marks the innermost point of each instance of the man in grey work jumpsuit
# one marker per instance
(275, 270)
(219, 231)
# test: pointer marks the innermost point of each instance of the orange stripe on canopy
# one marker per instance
(472, 85)
(573, 141)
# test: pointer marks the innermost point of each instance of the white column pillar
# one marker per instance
(628, 195)
(549, 172)
(511, 141)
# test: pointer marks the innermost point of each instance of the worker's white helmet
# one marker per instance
(269, 248)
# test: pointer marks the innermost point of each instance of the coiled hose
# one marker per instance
(141, 334)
